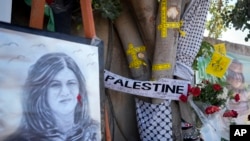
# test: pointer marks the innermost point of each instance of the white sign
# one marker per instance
(163, 89)
(5, 10)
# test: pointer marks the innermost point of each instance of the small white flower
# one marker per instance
(202, 85)
(224, 95)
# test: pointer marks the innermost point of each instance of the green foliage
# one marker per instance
(239, 17)
(213, 93)
(206, 51)
(108, 8)
(201, 62)
(215, 25)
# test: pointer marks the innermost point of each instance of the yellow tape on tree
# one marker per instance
(160, 67)
(135, 63)
(164, 25)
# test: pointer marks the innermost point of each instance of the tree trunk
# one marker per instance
(165, 54)
(145, 15)
(133, 45)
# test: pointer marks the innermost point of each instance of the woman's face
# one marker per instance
(237, 81)
(63, 91)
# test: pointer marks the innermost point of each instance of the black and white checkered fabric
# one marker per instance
(194, 25)
(154, 121)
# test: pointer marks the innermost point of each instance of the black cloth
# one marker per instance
(62, 12)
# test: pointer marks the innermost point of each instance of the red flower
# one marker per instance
(212, 109)
(196, 91)
(230, 113)
(217, 87)
(183, 98)
(237, 97)
(79, 98)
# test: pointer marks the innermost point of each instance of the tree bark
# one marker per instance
(132, 44)
(165, 54)
(145, 15)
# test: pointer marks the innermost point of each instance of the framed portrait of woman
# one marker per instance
(51, 86)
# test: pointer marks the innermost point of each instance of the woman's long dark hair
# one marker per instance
(38, 117)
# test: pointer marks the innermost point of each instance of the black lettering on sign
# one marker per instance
(119, 81)
(127, 84)
(180, 90)
(108, 77)
(146, 86)
(137, 85)
(171, 89)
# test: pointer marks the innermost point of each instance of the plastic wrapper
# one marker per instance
(214, 126)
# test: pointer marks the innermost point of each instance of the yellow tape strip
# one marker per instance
(160, 67)
(135, 63)
(164, 25)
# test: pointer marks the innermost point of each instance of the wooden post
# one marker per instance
(87, 17)
(37, 14)
(107, 129)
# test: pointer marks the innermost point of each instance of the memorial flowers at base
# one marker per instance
(212, 95)
(209, 102)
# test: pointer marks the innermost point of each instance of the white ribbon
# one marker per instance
(162, 89)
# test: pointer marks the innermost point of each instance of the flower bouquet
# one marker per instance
(209, 103)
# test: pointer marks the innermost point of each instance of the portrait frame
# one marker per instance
(21, 47)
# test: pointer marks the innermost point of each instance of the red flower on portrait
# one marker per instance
(79, 98)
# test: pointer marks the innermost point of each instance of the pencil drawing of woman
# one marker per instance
(56, 106)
